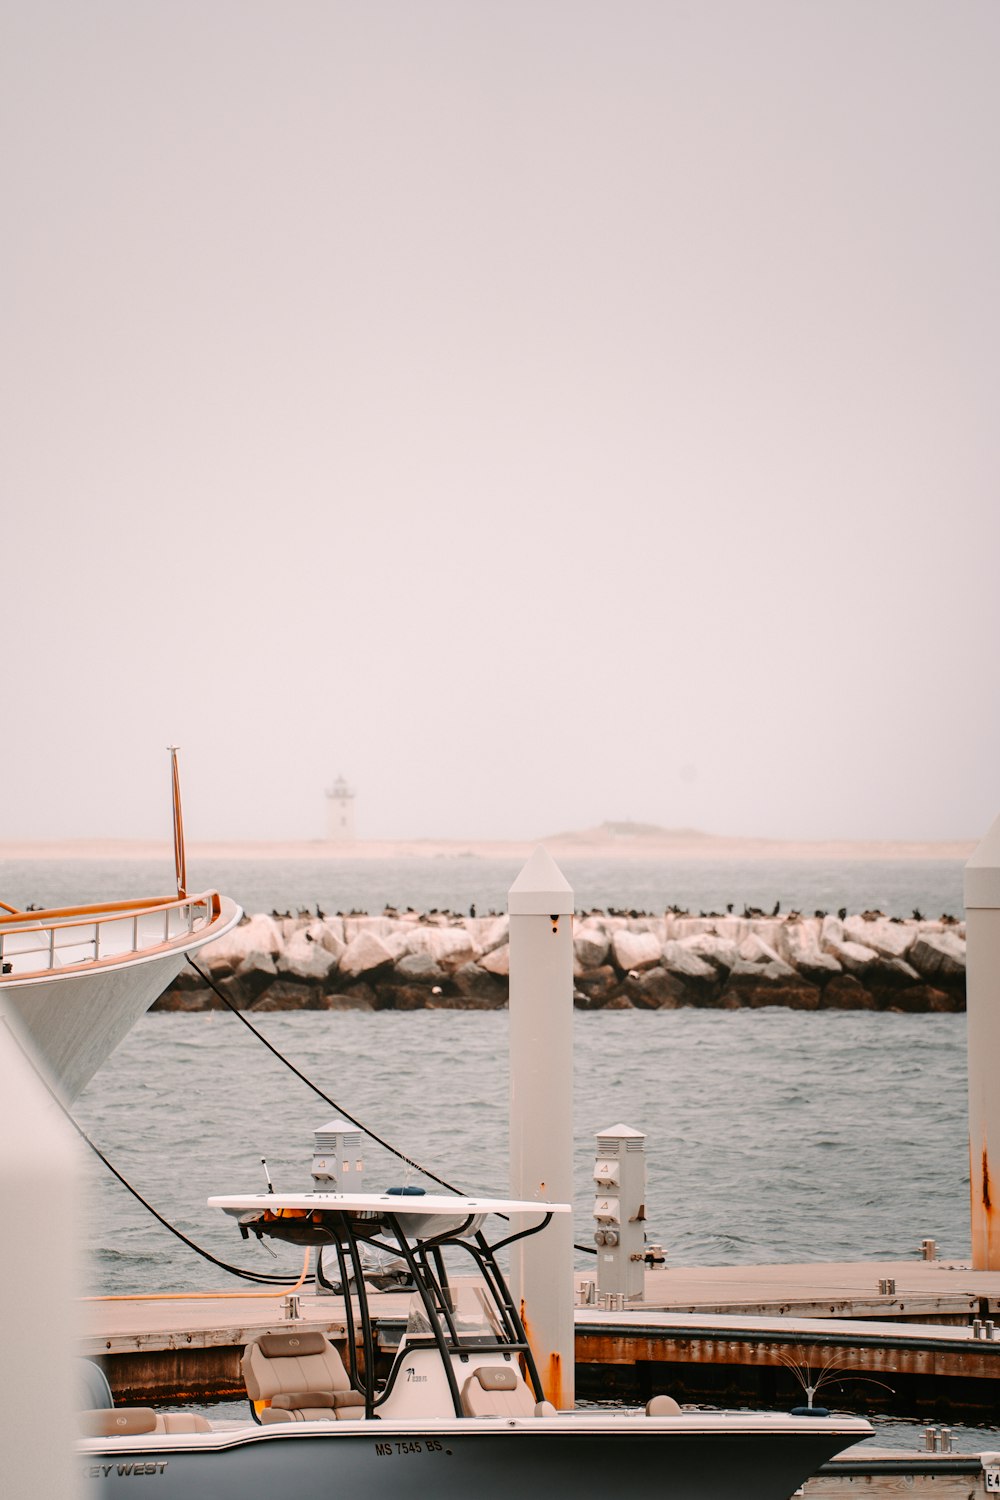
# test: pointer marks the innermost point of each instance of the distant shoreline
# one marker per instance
(574, 846)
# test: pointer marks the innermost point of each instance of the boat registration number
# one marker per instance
(429, 1445)
(992, 1477)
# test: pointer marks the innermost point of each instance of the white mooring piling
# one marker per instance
(982, 980)
(541, 1111)
(39, 1172)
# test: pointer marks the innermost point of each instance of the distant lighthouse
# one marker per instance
(340, 812)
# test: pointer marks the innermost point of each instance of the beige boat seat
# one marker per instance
(182, 1421)
(117, 1421)
(298, 1377)
(132, 1421)
(498, 1391)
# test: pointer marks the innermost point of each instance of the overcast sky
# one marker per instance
(540, 411)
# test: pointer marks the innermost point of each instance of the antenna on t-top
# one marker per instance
(270, 1184)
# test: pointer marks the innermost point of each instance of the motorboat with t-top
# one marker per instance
(459, 1411)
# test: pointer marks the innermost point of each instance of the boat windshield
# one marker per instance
(473, 1314)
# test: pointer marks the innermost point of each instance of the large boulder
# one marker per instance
(597, 985)
(855, 958)
(888, 939)
(635, 950)
(891, 974)
(488, 932)
(721, 952)
(798, 940)
(254, 975)
(497, 961)
(478, 989)
(817, 967)
(448, 946)
(590, 946)
(754, 950)
(846, 992)
(335, 925)
(679, 960)
(358, 996)
(418, 968)
(186, 1000)
(302, 958)
(656, 989)
(831, 931)
(329, 933)
(397, 943)
(261, 933)
(938, 955)
(288, 994)
(364, 954)
(774, 983)
(406, 997)
(924, 997)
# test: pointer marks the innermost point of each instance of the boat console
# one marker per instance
(464, 1352)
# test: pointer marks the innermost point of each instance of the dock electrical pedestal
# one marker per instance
(337, 1167)
(620, 1211)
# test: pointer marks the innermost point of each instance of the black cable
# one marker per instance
(408, 1160)
(223, 1265)
(177, 1233)
(393, 1150)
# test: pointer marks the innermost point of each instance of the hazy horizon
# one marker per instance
(538, 413)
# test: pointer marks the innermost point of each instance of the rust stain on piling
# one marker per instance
(553, 1386)
(987, 1202)
(551, 1372)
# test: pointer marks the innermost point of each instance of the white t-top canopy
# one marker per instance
(410, 1206)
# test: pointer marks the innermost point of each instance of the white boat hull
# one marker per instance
(71, 1019)
(579, 1456)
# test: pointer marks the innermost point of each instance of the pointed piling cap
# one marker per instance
(621, 1132)
(541, 889)
(982, 872)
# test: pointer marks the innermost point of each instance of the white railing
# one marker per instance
(40, 943)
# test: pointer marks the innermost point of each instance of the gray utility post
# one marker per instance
(541, 1111)
(982, 980)
(337, 1164)
(337, 1167)
(620, 1211)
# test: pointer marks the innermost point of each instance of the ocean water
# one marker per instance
(895, 887)
(772, 1135)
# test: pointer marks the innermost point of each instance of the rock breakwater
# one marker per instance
(430, 960)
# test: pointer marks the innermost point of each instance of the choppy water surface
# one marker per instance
(772, 1135)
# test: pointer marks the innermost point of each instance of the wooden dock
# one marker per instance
(724, 1333)
(731, 1334)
